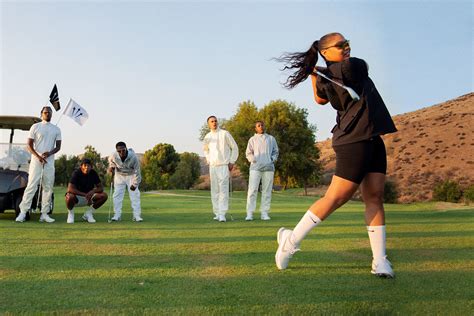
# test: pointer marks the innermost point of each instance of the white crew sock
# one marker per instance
(307, 222)
(377, 241)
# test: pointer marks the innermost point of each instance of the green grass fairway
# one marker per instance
(180, 261)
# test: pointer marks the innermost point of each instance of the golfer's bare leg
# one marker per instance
(71, 200)
(339, 192)
(372, 188)
(99, 199)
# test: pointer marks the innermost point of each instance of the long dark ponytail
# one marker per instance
(303, 62)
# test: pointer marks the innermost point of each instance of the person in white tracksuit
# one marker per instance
(221, 152)
(44, 140)
(262, 152)
(127, 175)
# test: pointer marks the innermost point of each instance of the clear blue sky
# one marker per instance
(151, 72)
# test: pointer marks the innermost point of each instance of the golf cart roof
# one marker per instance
(18, 122)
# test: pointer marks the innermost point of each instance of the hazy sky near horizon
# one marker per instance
(152, 72)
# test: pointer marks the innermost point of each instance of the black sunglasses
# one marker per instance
(340, 45)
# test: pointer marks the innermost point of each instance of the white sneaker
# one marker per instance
(88, 217)
(70, 217)
(21, 217)
(383, 268)
(249, 217)
(116, 218)
(45, 218)
(221, 218)
(137, 218)
(265, 217)
(285, 248)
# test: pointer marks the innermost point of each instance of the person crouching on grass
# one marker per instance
(361, 160)
(84, 189)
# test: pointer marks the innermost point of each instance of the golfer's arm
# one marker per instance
(71, 188)
(315, 92)
(99, 188)
(29, 145)
(56, 149)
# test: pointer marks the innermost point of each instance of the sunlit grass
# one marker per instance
(180, 261)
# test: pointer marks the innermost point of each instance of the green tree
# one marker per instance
(468, 194)
(447, 191)
(187, 172)
(298, 159)
(64, 166)
(242, 126)
(158, 165)
(99, 164)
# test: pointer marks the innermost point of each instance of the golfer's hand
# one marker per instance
(89, 195)
(133, 188)
(42, 159)
(231, 166)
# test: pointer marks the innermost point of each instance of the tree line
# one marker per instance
(163, 168)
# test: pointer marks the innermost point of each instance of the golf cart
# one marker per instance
(14, 165)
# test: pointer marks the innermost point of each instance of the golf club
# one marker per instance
(35, 210)
(230, 196)
(351, 92)
(111, 203)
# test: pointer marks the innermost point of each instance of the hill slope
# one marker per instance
(433, 144)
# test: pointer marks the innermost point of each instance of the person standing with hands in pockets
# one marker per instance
(262, 152)
(361, 160)
(44, 140)
(221, 152)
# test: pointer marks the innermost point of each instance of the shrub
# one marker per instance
(468, 194)
(390, 194)
(447, 191)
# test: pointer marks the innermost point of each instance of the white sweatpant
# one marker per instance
(267, 185)
(121, 182)
(219, 189)
(34, 177)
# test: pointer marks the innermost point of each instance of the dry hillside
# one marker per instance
(433, 144)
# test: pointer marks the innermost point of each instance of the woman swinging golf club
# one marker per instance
(360, 152)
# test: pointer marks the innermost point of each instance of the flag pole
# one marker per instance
(67, 106)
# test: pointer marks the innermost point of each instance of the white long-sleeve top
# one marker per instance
(130, 166)
(262, 152)
(220, 148)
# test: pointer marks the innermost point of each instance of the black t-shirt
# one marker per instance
(356, 120)
(85, 182)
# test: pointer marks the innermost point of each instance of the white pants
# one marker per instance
(121, 182)
(267, 186)
(34, 177)
(219, 189)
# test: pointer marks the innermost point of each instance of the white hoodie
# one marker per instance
(220, 148)
(131, 166)
(262, 152)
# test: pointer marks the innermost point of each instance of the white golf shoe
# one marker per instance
(265, 217)
(21, 217)
(88, 217)
(383, 268)
(249, 217)
(116, 218)
(222, 218)
(137, 218)
(70, 217)
(285, 248)
(45, 218)
(216, 218)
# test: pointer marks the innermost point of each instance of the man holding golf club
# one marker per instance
(126, 166)
(44, 140)
(221, 152)
(262, 152)
(361, 159)
(84, 189)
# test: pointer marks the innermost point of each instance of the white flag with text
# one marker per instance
(76, 112)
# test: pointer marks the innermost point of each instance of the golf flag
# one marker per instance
(76, 112)
(54, 98)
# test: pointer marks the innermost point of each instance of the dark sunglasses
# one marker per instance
(341, 45)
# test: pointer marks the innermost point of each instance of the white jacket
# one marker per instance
(131, 166)
(262, 152)
(220, 148)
